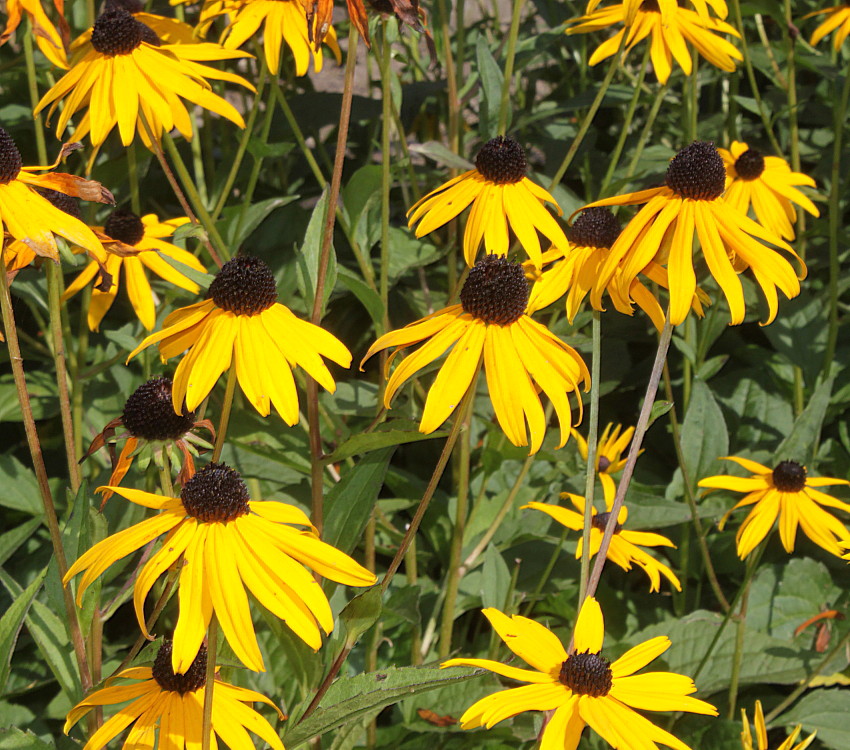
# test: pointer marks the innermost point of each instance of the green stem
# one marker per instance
(510, 58)
(592, 439)
(386, 124)
(226, 408)
(647, 130)
(212, 654)
(133, 177)
(32, 85)
(738, 656)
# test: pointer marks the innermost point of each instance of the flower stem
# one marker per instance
(212, 653)
(17, 364)
(510, 57)
(225, 413)
(738, 656)
(386, 125)
(634, 450)
(592, 438)
(32, 85)
(316, 449)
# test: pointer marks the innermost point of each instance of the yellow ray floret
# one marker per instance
(837, 20)
(761, 734)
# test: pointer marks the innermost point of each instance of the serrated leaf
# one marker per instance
(350, 698)
(11, 624)
(826, 712)
(361, 613)
(12, 738)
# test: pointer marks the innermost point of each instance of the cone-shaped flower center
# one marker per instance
(750, 164)
(501, 160)
(149, 414)
(789, 476)
(66, 203)
(116, 32)
(495, 291)
(244, 286)
(131, 6)
(697, 172)
(600, 521)
(188, 682)
(650, 6)
(216, 493)
(604, 463)
(587, 674)
(123, 225)
(10, 158)
(595, 227)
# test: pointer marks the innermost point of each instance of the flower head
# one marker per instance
(768, 185)
(625, 547)
(126, 77)
(761, 734)
(173, 704)
(134, 244)
(227, 542)
(490, 325)
(500, 195)
(609, 455)
(788, 492)
(582, 687)
(49, 39)
(670, 27)
(27, 215)
(663, 230)
(837, 20)
(631, 7)
(242, 322)
(590, 237)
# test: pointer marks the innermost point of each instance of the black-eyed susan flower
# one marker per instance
(168, 30)
(47, 36)
(590, 239)
(133, 245)
(609, 455)
(158, 701)
(126, 72)
(663, 230)
(281, 21)
(630, 7)
(761, 734)
(669, 27)
(490, 326)
(837, 20)
(227, 542)
(768, 185)
(26, 215)
(501, 195)
(242, 323)
(152, 432)
(582, 688)
(625, 548)
(788, 492)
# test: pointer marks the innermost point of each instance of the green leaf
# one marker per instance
(440, 154)
(11, 623)
(203, 280)
(237, 227)
(492, 81)
(362, 191)
(350, 502)
(370, 441)
(704, 435)
(350, 698)
(12, 738)
(495, 578)
(308, 256)
(826, 712)
(11, 540)
(801, 443)
(360, 614)
(259, 149)
(368, 297)
(20, 489)
(659, 409)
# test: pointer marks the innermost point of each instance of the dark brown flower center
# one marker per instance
(244, 286)
(116, 32)
(595, 227)
(789, 476)
(501, 160)
(587, 674)
(123, 225)
(495, 291)
(216, 493)
(697, 172)
(10, 158)
(600, 521)
(750, 164)
(650, 6)
(149, 413)
(604, 463)
(188, 682)
(67, 203)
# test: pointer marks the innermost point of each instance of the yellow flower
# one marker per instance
(168, 30)
(663, 230)
(134, 244)
(837, 19)
(669, 27)
(282, 21)
(242, 322)
(227, 542)
(788, 492)
(500, 195)
(609, 452)
(590, 239)
(631, 7)
(761, 734)
(174, 705)
(768, 184)
(126, 73)
(583, 687)
(519, 356)
(47, 36)
(27, 215)
(625, 547)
